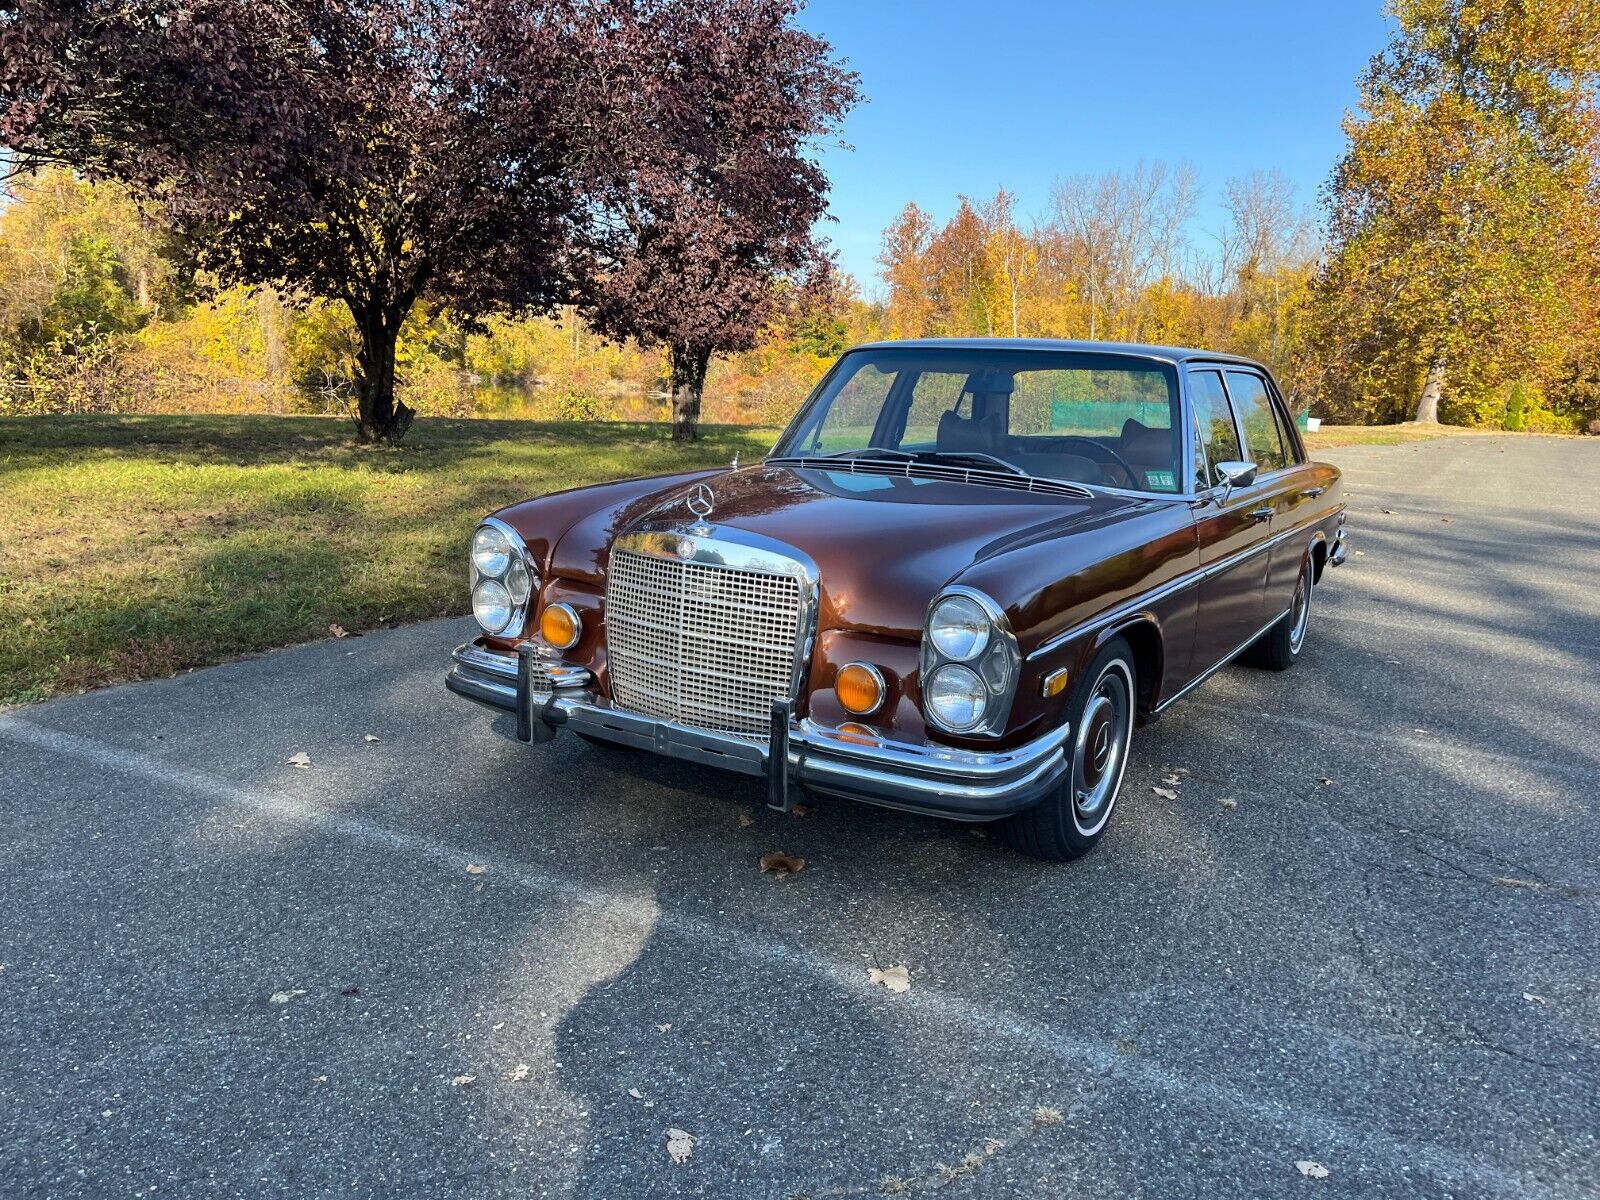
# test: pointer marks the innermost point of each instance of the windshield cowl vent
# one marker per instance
(908, 469)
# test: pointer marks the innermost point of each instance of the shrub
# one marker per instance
(1516, 401)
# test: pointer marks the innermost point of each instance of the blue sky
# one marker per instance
(967, 97)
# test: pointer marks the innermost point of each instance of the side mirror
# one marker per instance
(1235, 475)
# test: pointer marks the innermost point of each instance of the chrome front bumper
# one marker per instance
(940, 781)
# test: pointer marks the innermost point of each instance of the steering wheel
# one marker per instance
(1107, 454)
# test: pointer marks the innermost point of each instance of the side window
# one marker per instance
(1262, 437)
(850, 419)
(1214, 425)
(1291, 452)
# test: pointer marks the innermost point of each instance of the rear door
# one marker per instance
(1281, 480)
(1231, 529)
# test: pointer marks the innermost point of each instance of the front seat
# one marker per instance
(982, 434)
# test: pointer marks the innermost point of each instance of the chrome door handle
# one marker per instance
(1260, 514)
(1312, 492)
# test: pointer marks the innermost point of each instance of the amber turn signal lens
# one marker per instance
(859, 688)
(560, 626)
(1054, 683)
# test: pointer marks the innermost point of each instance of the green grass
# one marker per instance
(1330, 436)
(135, 547)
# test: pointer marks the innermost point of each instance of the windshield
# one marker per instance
(1102, 419)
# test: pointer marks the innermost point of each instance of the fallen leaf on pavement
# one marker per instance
(285, 997)
(1165, 793)
(663, 1028)
(1228, 804)
(634, 1092)
(1325, 782)
(302, 760)
(680, 1145)
(1533, 999)
(800, 810)
(464, 1080)
(476, 869)
(369, 737)
(782, 864)
(519, 1073)
(1311, 1170)
(1171, 780)
(338, 631)
(993, 1145)
(896, 979)
(1527, 885)
(745, 819)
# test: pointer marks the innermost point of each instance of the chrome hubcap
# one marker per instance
(1100, 749)
(1302, 613)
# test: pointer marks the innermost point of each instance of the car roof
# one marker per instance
(1174, 354)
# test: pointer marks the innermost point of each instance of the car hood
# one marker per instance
(884, 545)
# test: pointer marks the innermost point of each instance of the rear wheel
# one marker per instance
(1069, 822)
(1277, 649)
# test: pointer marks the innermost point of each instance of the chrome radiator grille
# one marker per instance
(700, 643)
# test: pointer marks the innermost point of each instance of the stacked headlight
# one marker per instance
(970, 664)
(501, 580)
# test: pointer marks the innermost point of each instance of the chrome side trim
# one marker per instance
(1218, 665)
(1173, 586)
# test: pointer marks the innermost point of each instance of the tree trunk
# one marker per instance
(380, 418)
(1428, 405)
(689, 366)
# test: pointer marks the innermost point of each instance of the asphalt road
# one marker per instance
(225, 975)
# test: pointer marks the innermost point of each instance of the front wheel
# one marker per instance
(1068, 822)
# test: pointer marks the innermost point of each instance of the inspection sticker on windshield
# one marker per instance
(1160, 480)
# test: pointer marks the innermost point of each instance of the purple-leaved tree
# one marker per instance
(371, 153)
(702, 186)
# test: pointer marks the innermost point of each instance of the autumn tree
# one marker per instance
(1461, 216)
(366, 153)
(704, 186)
(966, 287)
(903, 258)
(1119, 233)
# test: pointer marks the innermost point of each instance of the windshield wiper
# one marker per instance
(872, 452)
(977, 456)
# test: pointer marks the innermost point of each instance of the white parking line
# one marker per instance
(1297, 1125)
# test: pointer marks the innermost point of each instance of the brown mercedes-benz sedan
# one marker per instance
(964, 573)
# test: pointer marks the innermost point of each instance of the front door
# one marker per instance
(1231, 528)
